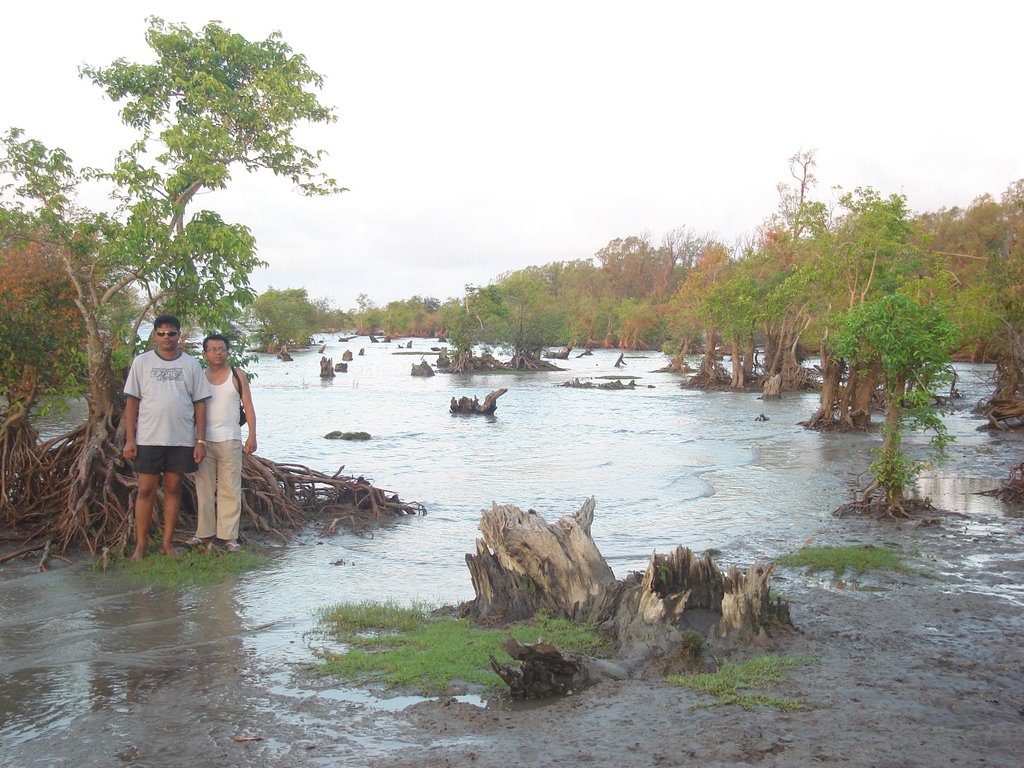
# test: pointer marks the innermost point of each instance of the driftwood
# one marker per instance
(473, 406)
(621, 362)
(524, 565)
(560, 355)
(422, 368)
(323, 347)
(326, 368)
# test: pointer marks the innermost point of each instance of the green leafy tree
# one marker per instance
(285, 317)
(210, 103)
(526, 317)
(909, 345)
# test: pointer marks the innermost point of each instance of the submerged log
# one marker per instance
(475, 407)
(524, 565)
(341, 367)
(562, 354)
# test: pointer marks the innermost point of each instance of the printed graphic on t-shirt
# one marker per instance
(167, 374)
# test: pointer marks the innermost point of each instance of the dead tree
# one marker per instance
(524, 565)
(473, 406)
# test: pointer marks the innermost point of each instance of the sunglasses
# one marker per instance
(166, 333)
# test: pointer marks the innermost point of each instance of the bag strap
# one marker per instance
(238, 384)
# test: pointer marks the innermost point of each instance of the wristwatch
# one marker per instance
(200, 442)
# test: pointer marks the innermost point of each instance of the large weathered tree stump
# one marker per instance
(523, 566)
(326, 368)
(475, 407)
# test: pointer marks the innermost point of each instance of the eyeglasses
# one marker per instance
(166, 333)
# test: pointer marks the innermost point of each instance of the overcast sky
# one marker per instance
(481, 137)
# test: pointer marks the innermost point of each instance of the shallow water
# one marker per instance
(667, 467)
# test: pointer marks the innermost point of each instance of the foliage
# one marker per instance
(728, 684)
(411, 648)
(839, 560)
(41, 352)
(283, 316)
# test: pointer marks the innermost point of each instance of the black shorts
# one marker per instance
(157, 459)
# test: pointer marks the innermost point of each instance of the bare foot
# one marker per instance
(138, 554)
(170, 551)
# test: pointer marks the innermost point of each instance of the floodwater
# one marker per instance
(82, 654)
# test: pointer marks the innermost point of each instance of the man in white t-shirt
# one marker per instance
(165, 427)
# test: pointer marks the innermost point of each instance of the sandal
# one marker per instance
(195, 541)
(234, 547)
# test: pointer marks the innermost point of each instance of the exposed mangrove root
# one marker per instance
(83, 495)
(1012, 491)
(878, 507)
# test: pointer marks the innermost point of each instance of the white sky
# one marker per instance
(480, 137)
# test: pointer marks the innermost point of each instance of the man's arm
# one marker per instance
(131, 420)
(250, 414)
(199, 452)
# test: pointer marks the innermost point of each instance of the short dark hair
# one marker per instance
(217, 337)
(167, 320)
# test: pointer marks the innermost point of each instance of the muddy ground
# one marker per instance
(920, 669)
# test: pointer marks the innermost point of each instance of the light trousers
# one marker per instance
(219, 490)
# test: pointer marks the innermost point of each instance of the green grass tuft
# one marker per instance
(859, 559)
(729, 685)
(411, 648)
(190, 569)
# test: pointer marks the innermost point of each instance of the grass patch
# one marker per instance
(732, 682)
(859, 559)
(410, 648)
(190, 569)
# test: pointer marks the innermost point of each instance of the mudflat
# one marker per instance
(913, 669)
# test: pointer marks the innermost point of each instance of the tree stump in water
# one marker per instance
(621, 361)
(524, 565)
(347, 355)
(422, 368)
(475, 407)
(326, 368)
